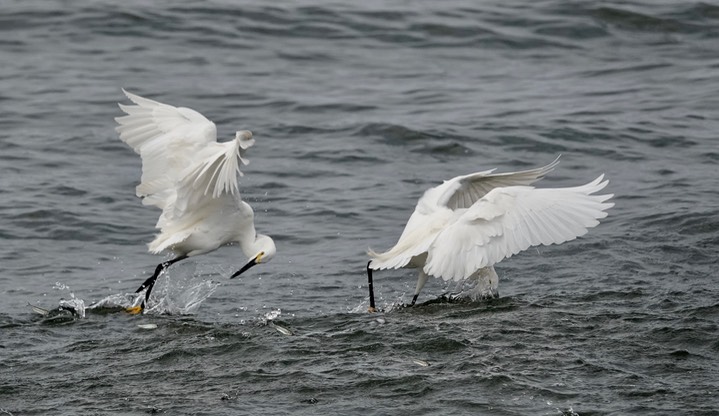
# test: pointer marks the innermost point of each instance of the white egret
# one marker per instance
(464, 226)
(193, 179)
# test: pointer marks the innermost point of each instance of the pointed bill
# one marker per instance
(246, 267)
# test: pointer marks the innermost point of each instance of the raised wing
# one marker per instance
(149, 120)
(463, 191)
(509, 220)
(167, 139)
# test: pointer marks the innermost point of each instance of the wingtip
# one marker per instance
(371, 253)
(596, 185)
(550, 167)
(125, 109)
(606, 197)
(141, 101)
(133, 97)
(128, 94)
(544, 170)
(373, 256)
(602, 182)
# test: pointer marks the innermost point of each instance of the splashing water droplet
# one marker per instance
(76, 305)
(273, 314)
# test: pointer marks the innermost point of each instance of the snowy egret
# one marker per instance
(462, 227)
(193, 179)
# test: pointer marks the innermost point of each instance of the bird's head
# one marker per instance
(265, 252)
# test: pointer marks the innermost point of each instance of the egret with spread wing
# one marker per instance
(464, 226)
(193, 179)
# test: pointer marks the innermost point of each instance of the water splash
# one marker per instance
(76, 305)
(61, 315)
(115, 303)
(184, 299)
(182, 294)
(272, 315)
(361, 308)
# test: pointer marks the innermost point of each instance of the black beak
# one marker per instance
(245, 268)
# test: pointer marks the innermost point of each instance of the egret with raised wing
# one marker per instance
(193, 179)
(463, 227)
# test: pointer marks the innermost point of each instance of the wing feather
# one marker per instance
(463, 191)
(414, 241)
(214, 174)
(185, 171)
(511, 219)
(439, 206)
(167, 139)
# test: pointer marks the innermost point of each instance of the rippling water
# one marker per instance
(357, 108)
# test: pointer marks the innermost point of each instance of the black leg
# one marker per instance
(371, 289)
(414, 299)
(150, 282)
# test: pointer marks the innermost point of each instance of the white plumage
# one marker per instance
(193, 179)
(464, 226)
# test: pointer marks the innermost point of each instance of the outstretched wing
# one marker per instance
(463, 191)
(509, 220)
(435, 208)
(167, 139)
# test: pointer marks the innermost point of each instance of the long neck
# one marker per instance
(248, 243)
(244, 227)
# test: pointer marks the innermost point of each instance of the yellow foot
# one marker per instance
(371, 310)
(134, 310)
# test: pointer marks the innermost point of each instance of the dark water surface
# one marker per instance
(358, 107)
